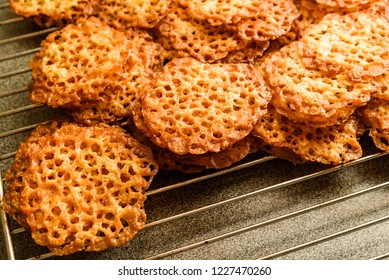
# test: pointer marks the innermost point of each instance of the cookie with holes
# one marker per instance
(133, 14)
(270, 23)
(382, 83)
(84, 188)
(189, 163)
(354, 44)
(194, 107)
(310, 13)
(14, 175)
(226, 157)
(116, 101)
(222, 12)
(197, 37)
(50, 13)
(164, 158)
(311, 95)
(334, 144)
(78, 62)
(252, 20)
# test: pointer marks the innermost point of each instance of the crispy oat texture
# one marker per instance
(195, 107)
(83, 188)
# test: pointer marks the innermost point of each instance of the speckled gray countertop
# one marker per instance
(250, 223)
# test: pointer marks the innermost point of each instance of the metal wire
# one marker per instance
(3, 6)
(381, 257)
(20, 110)
(6, 230)
(19, 54)
(16, 131)
(15, 73)
(11, 21)
(267, 222)
(8, 233)
(12, 92)
(258, 192)
(284, 217)
(28, 36)
(327, 238)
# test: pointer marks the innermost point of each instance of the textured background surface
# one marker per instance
(198, 227)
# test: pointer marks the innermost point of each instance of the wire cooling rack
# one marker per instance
(260, 208)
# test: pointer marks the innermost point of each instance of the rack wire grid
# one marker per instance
(260, 208)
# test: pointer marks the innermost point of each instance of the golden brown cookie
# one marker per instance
(79, 62)
(116, 101)
(84, 188)
(169, 52)
(113, 105)
(194, 107)
(189, 163)
(270, 23)
(221, 12)
(310, 95)
(380, 138)
(376, 113)
(196, 37)
(48, 13)
(354, 44)
(230, 155)
(14, 175)
(164, 158)
(335, 144)
(310, 13)
(124, 14)
(382, 83)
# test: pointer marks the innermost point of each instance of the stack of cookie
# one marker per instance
(323, 80)
(93, 70)
(199, 85)
(195, 111)
(211, 30)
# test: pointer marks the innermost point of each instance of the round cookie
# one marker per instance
(230, 155)
(126, 14)
(116, 101)
(189, 163)
(14, 175)
(334, 144)
(270, 23)
(194, 107)
(222, 12)
(311, 95)
(198, 38)
(84, 188)
(79, 62)
(48, 13)
(355, 44)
